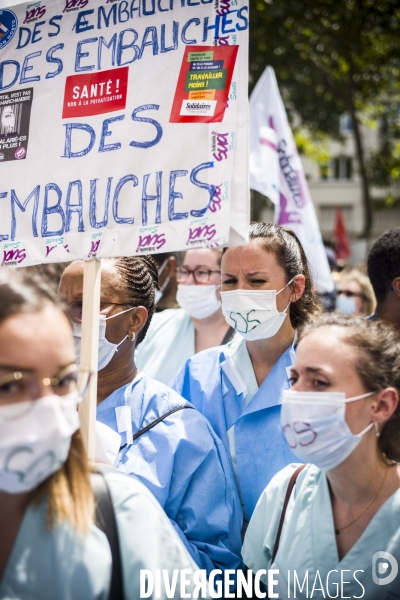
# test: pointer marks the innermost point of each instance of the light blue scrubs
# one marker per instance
(163, 360)
(308, 545)
(261, 448)
(185, 466)
(59, 564)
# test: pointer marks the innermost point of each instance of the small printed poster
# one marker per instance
(203, 85)
(15, 114)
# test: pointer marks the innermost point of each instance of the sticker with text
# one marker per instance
(95, 94)
(203, 85)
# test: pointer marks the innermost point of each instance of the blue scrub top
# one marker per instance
(261, 447)
(185, 466)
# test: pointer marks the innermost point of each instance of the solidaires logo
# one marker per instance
(8, 26)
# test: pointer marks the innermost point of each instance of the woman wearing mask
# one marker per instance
(354, 295)
(341, 416)
(266, 295)
(199, 324)
(162, 440)
(50, 546)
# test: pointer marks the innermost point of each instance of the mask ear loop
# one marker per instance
(288, 283)
(120, 313)
(368, 427)
(117, 315)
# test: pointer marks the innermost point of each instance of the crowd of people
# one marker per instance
(238, 427)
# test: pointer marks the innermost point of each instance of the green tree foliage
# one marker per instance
(331, 57)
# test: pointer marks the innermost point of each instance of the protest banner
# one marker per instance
(123, 130)
(276, 171)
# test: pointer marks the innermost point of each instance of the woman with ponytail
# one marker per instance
(267, 295)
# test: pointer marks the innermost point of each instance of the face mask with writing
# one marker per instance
(253, 313)
(315, 427)
(106, 349)
(35, 437)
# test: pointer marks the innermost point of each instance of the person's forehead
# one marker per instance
(111, 281)
(351, 285)
(201, 257)
(325, 346)
(36, 339)
(250, 258)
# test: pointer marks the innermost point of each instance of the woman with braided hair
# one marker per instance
(161, 438)
(267, 294)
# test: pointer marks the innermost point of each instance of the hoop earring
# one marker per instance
(132, 337)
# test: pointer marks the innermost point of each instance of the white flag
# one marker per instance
(276, 171)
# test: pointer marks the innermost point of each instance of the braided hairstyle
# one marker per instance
(139, 277)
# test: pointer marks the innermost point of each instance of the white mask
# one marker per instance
(345, 305)
(315, 427)
(158, 293)
(35, 439)
(199, 301)
(253, 313)
(106, 349)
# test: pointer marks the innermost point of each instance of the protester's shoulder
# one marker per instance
(128, 492)
(139, 516)
(206, 358)
(308, 478)
(161, 399)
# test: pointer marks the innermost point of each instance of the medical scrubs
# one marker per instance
(221, 384)
(60, 564)
(169, 342)
(185, 466)
(308, 543)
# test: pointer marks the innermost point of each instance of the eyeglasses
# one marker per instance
(22, 386)
(75, 308)
(349, 294)
(200, 274)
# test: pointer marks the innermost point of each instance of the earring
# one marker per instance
(377, 432)
(132, 337)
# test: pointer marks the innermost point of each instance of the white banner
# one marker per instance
(123, 128)
(276, 171)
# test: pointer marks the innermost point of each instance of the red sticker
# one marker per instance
(94, 94)
(203, 85)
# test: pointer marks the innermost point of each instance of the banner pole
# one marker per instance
(89, 351)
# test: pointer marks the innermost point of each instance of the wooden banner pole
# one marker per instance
(89, 351)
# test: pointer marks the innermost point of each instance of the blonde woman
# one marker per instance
(50, 546)
(355, 295)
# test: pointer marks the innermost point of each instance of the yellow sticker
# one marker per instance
(202, 95)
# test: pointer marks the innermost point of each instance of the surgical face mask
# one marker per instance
(199, 301)
(253, 313)
(315, 427)
(35, 437)
(106, 349)
(345, 305)
(158, 293)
